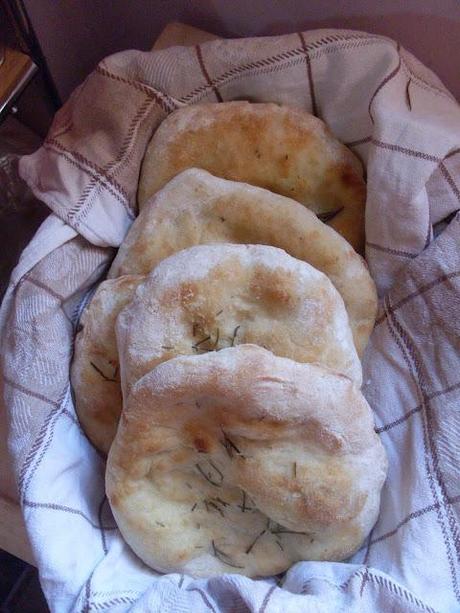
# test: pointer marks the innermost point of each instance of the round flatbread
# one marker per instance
(243, 462)
(197, 208)
(95, 373)
(213, 296)
(285, 150)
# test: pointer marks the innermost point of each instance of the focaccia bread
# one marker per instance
(95, 373)
(239, 461)
(213, 296)
(197, 208)
(283, 149)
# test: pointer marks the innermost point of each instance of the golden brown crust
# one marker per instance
(241, 461)
(197, 208)
(213, 296)
(282, 149)
(95, 372)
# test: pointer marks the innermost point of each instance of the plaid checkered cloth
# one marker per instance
(398, 117)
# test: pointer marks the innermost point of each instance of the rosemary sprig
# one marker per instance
(104, 376)
(208, 476)
(223, 557)
(249, 549)
(214, 347)
(217, 508)
(244, 507)
(217, 470)
(294, 470)
(196, 346)
(230, 446)
(160, 524)
(328, 215)
(235, 332)
(219, 313)
(225, 504)
(194, 507)
(226, 448)
(166, 347)
(217, 339)
(282, 531)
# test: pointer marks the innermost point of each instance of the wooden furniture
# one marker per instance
(16, 70)
(181, 34)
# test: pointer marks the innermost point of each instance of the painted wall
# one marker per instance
(76, 34)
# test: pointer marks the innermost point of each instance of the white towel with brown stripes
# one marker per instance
(405, 126)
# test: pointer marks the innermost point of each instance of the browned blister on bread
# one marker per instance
(282, 149)
(213, 296)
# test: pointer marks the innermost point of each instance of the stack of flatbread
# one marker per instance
(218, 366)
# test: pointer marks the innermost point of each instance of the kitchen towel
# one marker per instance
(404, 125)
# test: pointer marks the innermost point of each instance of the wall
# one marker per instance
(76, 34)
